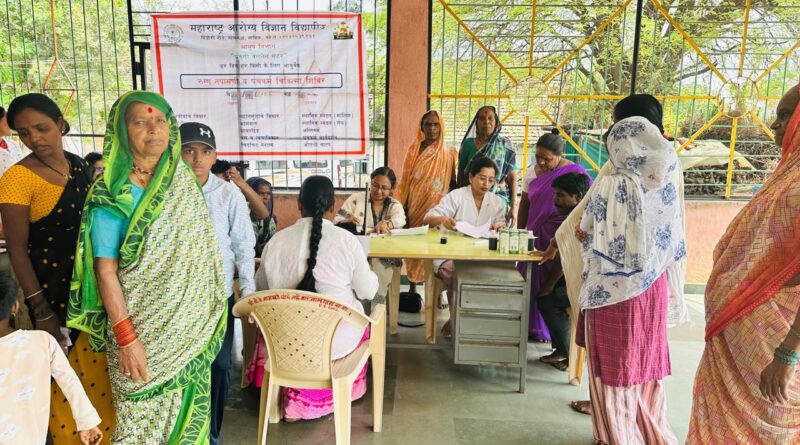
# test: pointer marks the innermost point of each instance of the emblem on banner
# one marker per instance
(342, 32)
(173, 33)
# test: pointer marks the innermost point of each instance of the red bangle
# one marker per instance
(124, 332)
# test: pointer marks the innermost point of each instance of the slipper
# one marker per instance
(563, 365)
(552, 358)
(581, 406)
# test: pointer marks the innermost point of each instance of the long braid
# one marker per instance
(316, 197)
(308, 283)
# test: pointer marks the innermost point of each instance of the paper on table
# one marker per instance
(473, 231)
(413, 231)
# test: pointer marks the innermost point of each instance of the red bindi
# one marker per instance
(149, 109)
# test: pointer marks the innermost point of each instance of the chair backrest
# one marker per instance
(298, 328)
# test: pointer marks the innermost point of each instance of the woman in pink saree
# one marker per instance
(747, 389)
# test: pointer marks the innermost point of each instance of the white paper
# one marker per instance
(413, 231)
(473, 231)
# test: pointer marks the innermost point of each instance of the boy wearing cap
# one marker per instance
(231, 219)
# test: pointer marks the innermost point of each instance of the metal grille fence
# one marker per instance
(101, 49)
(717, 67)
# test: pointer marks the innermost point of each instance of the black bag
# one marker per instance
(410, 302)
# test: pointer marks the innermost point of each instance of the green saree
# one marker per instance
(171, 274)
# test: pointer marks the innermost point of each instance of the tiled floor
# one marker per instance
(428, 400)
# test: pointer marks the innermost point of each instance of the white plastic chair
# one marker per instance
(298, 328)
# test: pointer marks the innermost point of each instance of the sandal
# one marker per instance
(552, 358)
(563, 365)
(581, 406)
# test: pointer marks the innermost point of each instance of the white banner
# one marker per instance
(270, 85)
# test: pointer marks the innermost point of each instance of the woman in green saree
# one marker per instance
(148, 284)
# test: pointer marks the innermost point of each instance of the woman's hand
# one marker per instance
(549, 254)
(233, 175)
(511, 216)
(133, 362)
(91, 437)
(383, 227)
(497, 227)
(580, 234)
(52, 326)
(775, 381)
(448, 223)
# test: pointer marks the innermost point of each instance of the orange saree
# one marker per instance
(425, 180)
(749, 310)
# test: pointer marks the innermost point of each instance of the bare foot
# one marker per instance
(443, 301)
(581, 406)
(447, 330)
(290, 420)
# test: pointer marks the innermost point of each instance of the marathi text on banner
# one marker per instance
(287, 85)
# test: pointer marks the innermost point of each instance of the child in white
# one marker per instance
(28, 359)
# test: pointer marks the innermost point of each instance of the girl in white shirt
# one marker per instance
(473, 204)
(316, 256)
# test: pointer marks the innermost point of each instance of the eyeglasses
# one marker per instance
(99, 169)
(382, 188)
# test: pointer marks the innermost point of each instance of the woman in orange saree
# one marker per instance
(747, 389)
(428, 175)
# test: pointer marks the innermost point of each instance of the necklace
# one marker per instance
(136, 168)
(66, 176)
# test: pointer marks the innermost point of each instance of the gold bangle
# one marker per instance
(120, 321)
(47, 318)
(35, 294)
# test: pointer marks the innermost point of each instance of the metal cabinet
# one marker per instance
(491, 308)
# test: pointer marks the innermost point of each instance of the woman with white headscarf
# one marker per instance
(632, 238)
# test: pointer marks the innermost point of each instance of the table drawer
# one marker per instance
(504, 298)
(487, 353)
(491, 325)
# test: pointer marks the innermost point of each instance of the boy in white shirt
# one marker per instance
(230, 217)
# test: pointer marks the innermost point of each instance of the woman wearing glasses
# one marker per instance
(474, 204)
(377, 212)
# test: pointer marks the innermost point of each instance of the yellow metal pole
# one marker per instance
(525, 147)
(503, 120)
(729, 181)
(467, 96)
(588, 40)
(571, 141)
(763, 126)
(477, 40)
(700, 131)
(744, 36)
(533, 29)
(777, 62)
(619, 96)
(689, 40)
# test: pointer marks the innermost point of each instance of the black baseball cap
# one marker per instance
(197, 132)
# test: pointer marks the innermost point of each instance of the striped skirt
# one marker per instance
(628, 356)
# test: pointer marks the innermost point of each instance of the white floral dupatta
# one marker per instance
(633, 218)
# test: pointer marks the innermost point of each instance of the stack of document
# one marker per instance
(482, 231)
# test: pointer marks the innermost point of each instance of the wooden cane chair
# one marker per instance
(298, 328)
